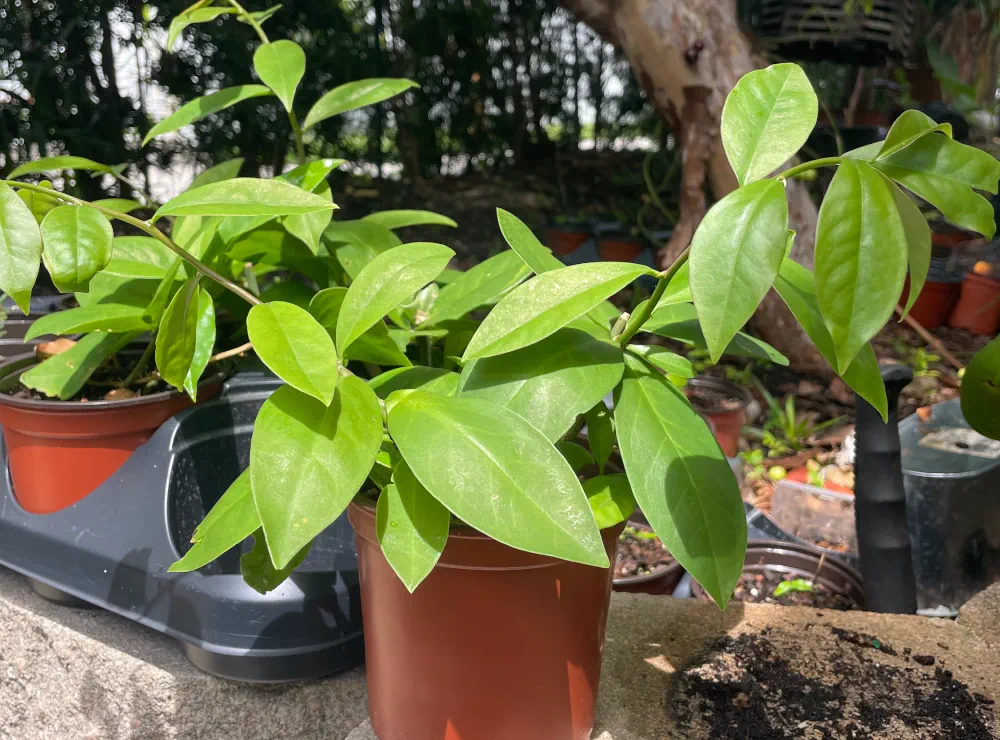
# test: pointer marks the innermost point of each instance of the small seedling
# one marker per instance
(799, 585)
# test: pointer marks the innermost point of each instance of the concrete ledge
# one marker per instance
(87, 675)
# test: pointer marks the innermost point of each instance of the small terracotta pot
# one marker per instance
(60, 451)
(494, 644)
(726, 422)
(801, 475)
(934, 304)
(565, 240)
(978, 308)
(619, 248)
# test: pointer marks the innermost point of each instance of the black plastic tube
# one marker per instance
(880, 504)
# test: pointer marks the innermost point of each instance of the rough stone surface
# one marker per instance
(87, 675)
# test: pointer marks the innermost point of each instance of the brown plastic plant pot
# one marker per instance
(725, 419)
(60, 451)
(934, 304)
(619, 248)
(978, 308)
(565, 240)
(495, 644)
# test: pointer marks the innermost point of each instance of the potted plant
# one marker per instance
(565, 234)
(484, 561)
(978, 307)
(622, 245)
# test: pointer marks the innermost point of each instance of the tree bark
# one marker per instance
(688, 55)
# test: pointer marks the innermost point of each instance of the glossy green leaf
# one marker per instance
(354, 95)
(121, 205)
(139, 257)
(981, 391)
(384, 283)
(679, 288)
(261, 15)
(942, 171)
(76, 244)
(57, 164)
(861, 257)
(766, 119)
(244, 196)
(20, 248)
(217, 173)
(910, 126)
(524, 242)
(404, 218)
(576, 455)
(204, 343)
(39, 203)
(496, 472)
(295, 347)
(310, 227)
(312, 175)
(680, 321)
(549, 383)
(430, 379)
(190, 17)
(203, 107)
(356, 243)
(546, 303)
(681, 479)
(796, 286)
(308, 460)
(664, 359)
(375, 345)
(165, 290)
(918, 243)
(281, 65)
(610, 498)
(108, 317)
(232, 519)
(411, 526)
(63, 375)
(259, 572)
(601, 434)
(175, 341)
(735, 256)
(481, 285)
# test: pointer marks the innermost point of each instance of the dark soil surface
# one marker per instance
(758, 588)
(747, 688)
(107, 379)
(640, 553)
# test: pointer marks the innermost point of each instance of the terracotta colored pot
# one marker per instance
(949, 239)
(619, 248)
(978, 308)
(934, 304)
(801, 475)
(60, 451)
(727, 421)
(495, 644)
(565, 240)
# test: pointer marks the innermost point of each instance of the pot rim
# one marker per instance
(737, 392)
(667, 568)
(19, 363)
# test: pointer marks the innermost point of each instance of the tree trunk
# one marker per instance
(688, 55)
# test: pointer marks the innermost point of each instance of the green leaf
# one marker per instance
(244, 196)
(223, 171)
(261, 15)
(524, 242)
(295, 347)
(430, 379)
(355, 95)
(681, 479)
(411, 526)
(679, 288)
(165, 290)
(471, 456)
(910, 126)
(20, 248)
(680, 321)
(310, 227)
(356, 243)
(942, 171)
(546, 303)
(76, 244)
(39, 203)
(108, 317)
(259, 572)
(735, 256)
(600, 435)
(549, 383)
(204, 343)
(610, 498)
(63, 375)
(402, 219)
(281, 66)
(312, 175)
(308, 460)
(384, 283)
(860, 257)
(664, 359)
(139, 257)
(918, 243)
(576, 455)
(796, 286)
(766, 119)
(375, 345)
(232, 519)
(122, 205)
(185, 19)
(56, 164)
(981, 391)
(175, 341)
(203, 107)
(481, 285)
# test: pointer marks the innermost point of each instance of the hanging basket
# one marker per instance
(834, 30)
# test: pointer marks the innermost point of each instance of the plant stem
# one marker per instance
(143, 361)
(645, 310)
(231, 352)
(806, 166)
(142, 191)
(151, 231)
(300, 146)
(250, 19)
